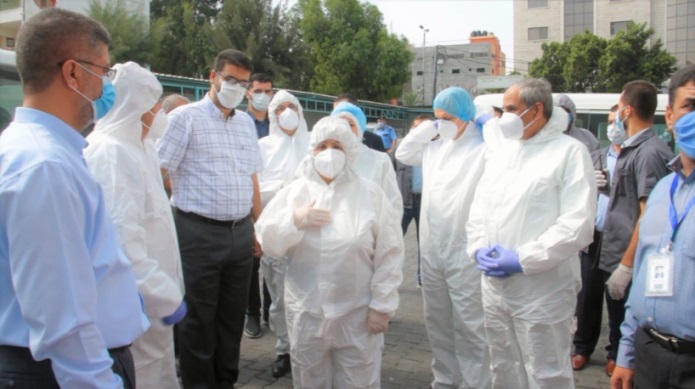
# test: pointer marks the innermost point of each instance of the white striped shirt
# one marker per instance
(210, 160)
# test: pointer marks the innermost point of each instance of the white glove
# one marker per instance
(425, 131)
(308, 217)
(601, 180)
(377, 322)
(617, 282)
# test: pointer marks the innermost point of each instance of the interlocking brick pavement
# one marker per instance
(407, 356)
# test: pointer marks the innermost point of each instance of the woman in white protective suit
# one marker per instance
(373, 165)
(122, 157)
(344, 249)
(283, 149)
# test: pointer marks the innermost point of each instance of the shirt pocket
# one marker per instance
(624, 185)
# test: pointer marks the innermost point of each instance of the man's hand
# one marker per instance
(618, 281)
(377, 322)
(257, 250)
(622, 378)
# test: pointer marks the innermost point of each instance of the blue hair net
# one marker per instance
(455, 101)
(354, 111)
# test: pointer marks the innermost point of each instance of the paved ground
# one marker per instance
(407, 357)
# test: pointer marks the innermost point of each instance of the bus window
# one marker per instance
(10, 88)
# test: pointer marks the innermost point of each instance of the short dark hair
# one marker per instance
(349, 97)
(422, 116)
(641, 95)
(260, 78)
(498, 110)
(233, 57)
(51, 37)
(683, 76)
(614, 108)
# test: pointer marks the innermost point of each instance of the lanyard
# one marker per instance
(673, 215)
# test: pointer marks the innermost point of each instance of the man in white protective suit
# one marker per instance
(123, 159)
(371, 164)
(344, 248)
(533, 212)
(451, 167)
(283, 149)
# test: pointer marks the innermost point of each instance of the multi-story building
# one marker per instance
(438, 67)
(539, 21)
(14, 12)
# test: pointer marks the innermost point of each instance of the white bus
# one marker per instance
(592, 110)
(10, 87)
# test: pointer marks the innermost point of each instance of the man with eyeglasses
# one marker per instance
(69, 305)
(211, 152)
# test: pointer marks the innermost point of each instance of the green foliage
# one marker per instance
(352, 51)
(130, 40)
(588, 62)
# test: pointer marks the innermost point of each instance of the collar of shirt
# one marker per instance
(638, 138)
(676, 165)
(52, 125)
(612, 152)
(214, 109)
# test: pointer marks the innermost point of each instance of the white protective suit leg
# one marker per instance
(334, 353)
(454, 320)
(273, 271)
(153, 355)
(528, 352)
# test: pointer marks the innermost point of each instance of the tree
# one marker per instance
(587, 62)
(130, 36)
(351, 50)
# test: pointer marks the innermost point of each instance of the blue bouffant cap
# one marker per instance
(455, 101)
(353, 110)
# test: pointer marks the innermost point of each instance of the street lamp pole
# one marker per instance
(424, 33)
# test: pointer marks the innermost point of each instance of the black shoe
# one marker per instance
(253, 327)
(282, 365)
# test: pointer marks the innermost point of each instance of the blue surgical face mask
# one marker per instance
(685, 134)
(620, 122)
(379, 125)
(102, 105)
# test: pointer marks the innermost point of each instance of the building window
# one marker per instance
(478, 55)
(537, 33)
(455, 71)
(619, 26)
(578, 17)
(537, 3)
(419, 73)
(480, 70)
(10, 42)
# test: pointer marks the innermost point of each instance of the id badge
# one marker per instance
(660, 274)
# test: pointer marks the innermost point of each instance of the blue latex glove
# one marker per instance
(482, 257)
(508, 261)
(177, 316)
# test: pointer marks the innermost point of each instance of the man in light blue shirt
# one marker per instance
(657, 349)
(69, 306)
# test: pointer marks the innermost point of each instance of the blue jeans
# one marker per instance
(408, 215)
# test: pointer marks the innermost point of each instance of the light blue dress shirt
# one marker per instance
(387, 134)
(674, 315)
(603, 200)
(67, 291)
(417, 179)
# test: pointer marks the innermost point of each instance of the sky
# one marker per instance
(449, 21)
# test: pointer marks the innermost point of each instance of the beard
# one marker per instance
(85, 115)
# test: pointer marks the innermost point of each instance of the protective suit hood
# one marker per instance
(555, 127)
(563, 101)
(137, 91)
(331, 128)
(283, 96)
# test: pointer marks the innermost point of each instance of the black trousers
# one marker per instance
(659, 368)
(19, 370)
(254, 307)
(589, 309)
(217, 263)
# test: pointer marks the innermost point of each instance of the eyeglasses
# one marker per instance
(282, 108)
(234, 81)
(109, 72)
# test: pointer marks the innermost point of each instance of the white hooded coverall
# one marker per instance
(536, 198)
(128, 171)
(282, 155)
(335, 273)
(450, 281)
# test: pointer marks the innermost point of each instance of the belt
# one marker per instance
(18, 353)
(417, 195)
(214, 222)
(671, 342)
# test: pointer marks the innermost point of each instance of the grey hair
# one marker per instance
(171, 102)
(535, 90)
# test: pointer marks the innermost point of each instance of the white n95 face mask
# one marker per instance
(447, 129)
(512, 126)
(289, 120)
(158, 126)
(616, 135)
(260, 101)
(328, 163)
(230, 95)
